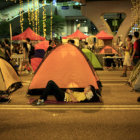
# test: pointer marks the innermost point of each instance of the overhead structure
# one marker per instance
(135, 14)
(68, 67)
(76, 35)
(28, 33)
(9, 79)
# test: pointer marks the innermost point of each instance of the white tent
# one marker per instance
(9, 79)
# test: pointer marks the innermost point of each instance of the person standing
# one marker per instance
(127, 61)
(25, 58)
(136, 49)
(30, 49)
(7, 50)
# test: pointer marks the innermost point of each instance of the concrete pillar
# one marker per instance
(95, 11)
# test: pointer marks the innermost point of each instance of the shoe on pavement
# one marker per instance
(38, 102)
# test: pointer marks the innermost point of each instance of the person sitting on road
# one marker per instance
(89, 94)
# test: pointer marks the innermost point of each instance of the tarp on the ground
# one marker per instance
(134, 78)
(28, 33)
(42, 45)
(77, 34)
(103, 35)
(108, 50)
(93, 59)
(68, 67)
(9, 80)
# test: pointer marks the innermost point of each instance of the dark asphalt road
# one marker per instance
(21, 121)
(69, 125)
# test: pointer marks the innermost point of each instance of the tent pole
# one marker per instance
(10, 37)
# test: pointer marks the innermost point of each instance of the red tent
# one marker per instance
(103, 35)
(108, 50)
(28, 33)
(35, 63)
(76, 34)
(42, 45)
(67, 66)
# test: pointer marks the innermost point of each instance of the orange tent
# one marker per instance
(28, 33)
(108, 50)
(76, 34)
(68, 67)
(42, 45)
(103, 35)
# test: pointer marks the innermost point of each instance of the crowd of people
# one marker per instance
(131, 58)
(131, 53)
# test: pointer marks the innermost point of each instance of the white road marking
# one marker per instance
(71, 107)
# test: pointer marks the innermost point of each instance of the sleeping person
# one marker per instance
(88, 95)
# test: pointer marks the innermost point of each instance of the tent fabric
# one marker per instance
(78, 34)
(103, 35)
(37, 58)
(35, 62)
(40, 50)
(28, 33)
(42, 45)
(67, 66)
(93, 59)
(8, 77)
(108, 50)
(39, 53)
(134, 78)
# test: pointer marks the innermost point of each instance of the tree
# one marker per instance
(4, 29)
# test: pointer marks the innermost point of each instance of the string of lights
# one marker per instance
(21, 14)
(44, 19)
(135, 10)
(38, 19)
(29, 13)
(33, 16)
(36, 16)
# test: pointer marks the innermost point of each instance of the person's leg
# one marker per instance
(29, 65)
(21, 67)
(53, 89)
(124, 67)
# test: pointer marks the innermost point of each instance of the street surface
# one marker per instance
(116, 118)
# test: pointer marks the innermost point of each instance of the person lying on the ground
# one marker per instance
(88, 95)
